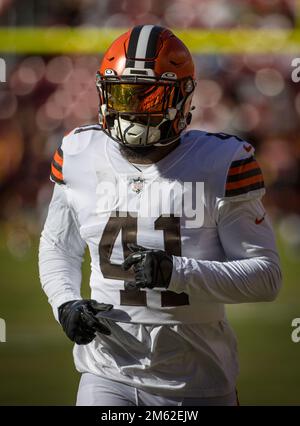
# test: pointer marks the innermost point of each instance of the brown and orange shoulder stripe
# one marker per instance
(243, 176)
(56, 167)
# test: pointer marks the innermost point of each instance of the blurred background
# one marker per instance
(47, 93)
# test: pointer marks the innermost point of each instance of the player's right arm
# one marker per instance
(60, 258)
(61, 253)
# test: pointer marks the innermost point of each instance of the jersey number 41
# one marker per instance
(127, 225)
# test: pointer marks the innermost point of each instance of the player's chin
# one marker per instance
(140, 151)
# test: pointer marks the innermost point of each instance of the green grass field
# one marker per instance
(36, 364)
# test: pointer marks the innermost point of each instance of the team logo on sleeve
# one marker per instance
(247, 148)
(260, 220)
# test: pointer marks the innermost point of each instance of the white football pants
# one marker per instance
(97, 391)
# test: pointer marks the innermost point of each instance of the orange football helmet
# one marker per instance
(146, 82)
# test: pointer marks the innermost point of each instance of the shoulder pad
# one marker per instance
(79, 138)
(226, 138)
(244, 178)
(73, 143)
(237, 175)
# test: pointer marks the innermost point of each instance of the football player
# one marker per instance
(175, 227)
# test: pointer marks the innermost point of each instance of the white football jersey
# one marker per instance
(200, 203)
(116, 204)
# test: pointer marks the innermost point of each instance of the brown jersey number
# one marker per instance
(127, 225)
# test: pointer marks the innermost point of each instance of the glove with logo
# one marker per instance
(79, 322)
(152, 268)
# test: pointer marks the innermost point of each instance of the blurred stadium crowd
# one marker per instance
(170, 13)
(252, 96)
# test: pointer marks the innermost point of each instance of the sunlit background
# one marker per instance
(248, 94)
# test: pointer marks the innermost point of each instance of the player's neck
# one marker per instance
(147, 155)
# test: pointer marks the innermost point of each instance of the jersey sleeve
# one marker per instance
(251, 271)
(65, 159)
(61, 252)
(57, 164)
(244, 179)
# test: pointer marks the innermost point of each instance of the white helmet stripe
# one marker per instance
(142, 44)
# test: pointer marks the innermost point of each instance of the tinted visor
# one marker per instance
(139, 98)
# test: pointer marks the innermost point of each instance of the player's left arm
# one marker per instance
(251, 272)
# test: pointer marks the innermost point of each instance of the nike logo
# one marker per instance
(247, 148)
(258, 221)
